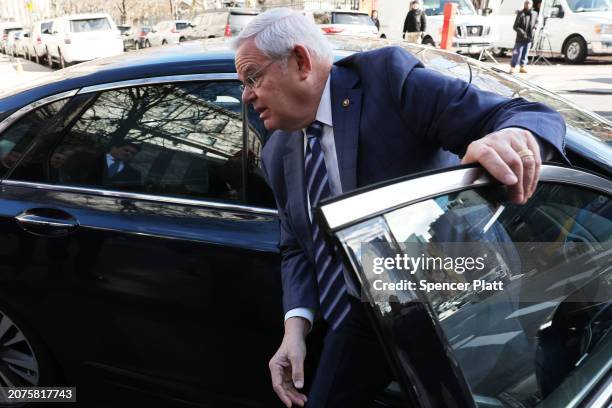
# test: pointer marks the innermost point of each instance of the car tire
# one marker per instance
(62, 61)
(182, 39)
(499, 52)
(137, 45)
(147, 44)
(428, 41)
(37, 368)
(575, 50)
(49, 59)
(164, 42)
(36, 58)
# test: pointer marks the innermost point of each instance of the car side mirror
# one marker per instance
(486, 11)
(557, 11)
(193, 25)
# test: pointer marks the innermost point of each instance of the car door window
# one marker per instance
(16, 139)
(170, 139)
(529, 317)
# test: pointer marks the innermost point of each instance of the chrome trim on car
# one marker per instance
(158, 80)
(138, 196)
(30, 107)
(344, 212)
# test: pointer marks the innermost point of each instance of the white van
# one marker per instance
(472, 31)
(83, 37)
(573, 28)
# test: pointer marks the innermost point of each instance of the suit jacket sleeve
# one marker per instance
(451, 113)
(297, 273)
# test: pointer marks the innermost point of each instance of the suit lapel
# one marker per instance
(296, 188)
(346, 113)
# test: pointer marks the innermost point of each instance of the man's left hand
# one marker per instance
(512, 156)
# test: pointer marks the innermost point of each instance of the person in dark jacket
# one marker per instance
(525, 27)
(415, 19)
(375, 19)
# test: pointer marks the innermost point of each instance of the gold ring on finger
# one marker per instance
(525, 153)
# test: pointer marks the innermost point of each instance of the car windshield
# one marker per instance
(436, 7)
(90, 24)
(580, 6)
(182, 25)
(521, 293)
(351, 18)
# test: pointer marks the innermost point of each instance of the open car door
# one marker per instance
(480, 302)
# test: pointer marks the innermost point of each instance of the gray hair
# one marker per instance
(279, 30)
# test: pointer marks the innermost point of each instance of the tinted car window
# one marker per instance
(238, 21)
(181, 26)
(187, 139)
(18, 137)
(352, 18)
(518, 344)
(90, 24)
(183, 139)
(322, 18)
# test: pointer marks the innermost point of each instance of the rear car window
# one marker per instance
(240, 20)
(352, 18)
(90, 24)
(181, 26)
(322, 18)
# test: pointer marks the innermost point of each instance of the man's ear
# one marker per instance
(303, 60)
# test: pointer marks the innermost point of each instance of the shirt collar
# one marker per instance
(324, 113)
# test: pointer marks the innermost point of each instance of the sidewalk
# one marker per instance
(589, 86)
(16, 71)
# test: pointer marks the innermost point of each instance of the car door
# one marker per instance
(481, 302)
(163, 275)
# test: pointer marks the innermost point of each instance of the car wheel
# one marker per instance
(182, 39)
(499, 52)
(62, 61)
(575, 50)
(164, 42)
(24, 361)
(428, 41)
(137, 45)
(36, 57)
(147, 44)
(49, 59)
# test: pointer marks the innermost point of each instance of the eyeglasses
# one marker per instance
(253, 81)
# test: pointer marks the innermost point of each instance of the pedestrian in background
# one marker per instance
(375, 19)
(525, 26)
(415, 19)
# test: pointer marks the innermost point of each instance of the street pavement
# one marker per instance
(588, 85)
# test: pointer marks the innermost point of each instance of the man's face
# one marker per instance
(415, 6)
(124, 153)
(277, 94)
(527, 5)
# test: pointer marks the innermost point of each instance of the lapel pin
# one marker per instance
(346, 102)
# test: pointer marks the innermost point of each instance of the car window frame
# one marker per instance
(422, 187)
(92, 92)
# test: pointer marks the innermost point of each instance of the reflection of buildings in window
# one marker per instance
(169, 116)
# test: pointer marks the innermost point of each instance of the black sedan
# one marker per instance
(139, 257)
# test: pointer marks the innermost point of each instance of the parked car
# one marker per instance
(573, 28)
(82, 37)
(26, 45)
(140, 37)
(472, 31)
(345, 22)
(168, 32)
(129, 41)
(41, 31)
(237, 19)
(210, 24)
(13, 42)
(141, 282)
(5, 29)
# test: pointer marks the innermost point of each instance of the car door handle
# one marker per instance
(47, 221)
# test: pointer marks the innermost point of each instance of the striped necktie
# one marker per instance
(333, 297)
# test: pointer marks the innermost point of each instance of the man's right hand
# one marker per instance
(287, 365)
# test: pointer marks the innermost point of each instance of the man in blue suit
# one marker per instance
(370, 117)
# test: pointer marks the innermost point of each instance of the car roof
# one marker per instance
(83, 16)
(341, 12)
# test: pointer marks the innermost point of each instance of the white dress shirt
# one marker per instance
(110, 160)
(328, 146)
